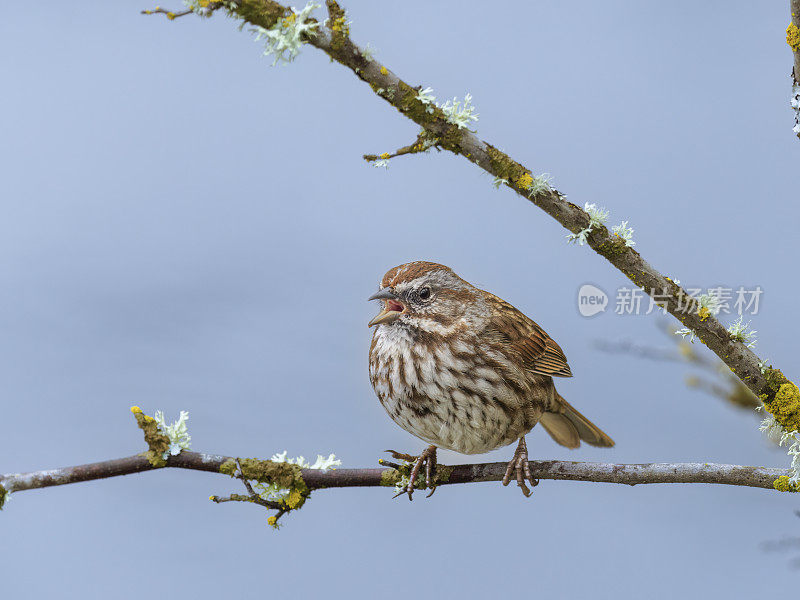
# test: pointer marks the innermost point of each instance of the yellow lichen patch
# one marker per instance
(385, 155)
(171, 16)
(273, 521)
(525, 181)
(782, 485)
(384, 71)
(294, 500)
(793, 37)
(781, 398)
(703, 312)
(785, 407)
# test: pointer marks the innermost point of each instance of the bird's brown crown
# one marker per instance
(410, 271)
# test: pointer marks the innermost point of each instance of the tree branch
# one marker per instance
(794, 42)
(793, 39)
(629, 474)
(333, 38)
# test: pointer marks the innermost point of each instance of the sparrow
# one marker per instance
(464, 370)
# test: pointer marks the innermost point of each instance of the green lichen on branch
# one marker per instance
(337, 23)
(782, 485)
(612, 247)
(781, 398)
(157, 442)
(281, 474)
(393, 477)
(505, 167)
(261, 12)
(408, 102)
(3, 496)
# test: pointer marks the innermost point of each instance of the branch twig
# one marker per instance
(629, 474)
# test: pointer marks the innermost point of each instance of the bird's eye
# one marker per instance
(425, 293)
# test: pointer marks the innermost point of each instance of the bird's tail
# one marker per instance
(568, 427)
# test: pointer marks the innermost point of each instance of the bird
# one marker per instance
(463, 370)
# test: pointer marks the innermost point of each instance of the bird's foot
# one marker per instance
(427, 458)
(519, 466)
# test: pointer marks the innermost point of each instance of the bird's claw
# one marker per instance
(519, 466)
(401, 456)
(427, 458)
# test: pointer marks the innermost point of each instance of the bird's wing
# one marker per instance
(537, 350)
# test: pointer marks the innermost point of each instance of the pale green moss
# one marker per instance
(157, 442)
(258, 12)
(337, 23)
(391, 477)
(282, 474)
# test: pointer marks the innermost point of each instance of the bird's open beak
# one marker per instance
(392, 307)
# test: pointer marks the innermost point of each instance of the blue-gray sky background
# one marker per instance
(185, 227)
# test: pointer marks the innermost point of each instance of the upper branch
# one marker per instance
(334, 40)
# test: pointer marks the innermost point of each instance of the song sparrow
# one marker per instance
(464, 370)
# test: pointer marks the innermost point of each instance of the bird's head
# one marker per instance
(426, 296)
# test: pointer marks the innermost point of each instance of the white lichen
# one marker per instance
(368, 52)
(285, 38)
(273, 493)
(686, 332)
(597, 216)
(796, 108)
(709, 302)
(460, 114)
(625, 233)
(428, 140)
(539, 184)
(778, 434)
(401, 486)
(381, 163)
(741, 332)
(428, 99)
(178, 434)
(498, 181)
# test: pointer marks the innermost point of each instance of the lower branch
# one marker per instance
(629, 474)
